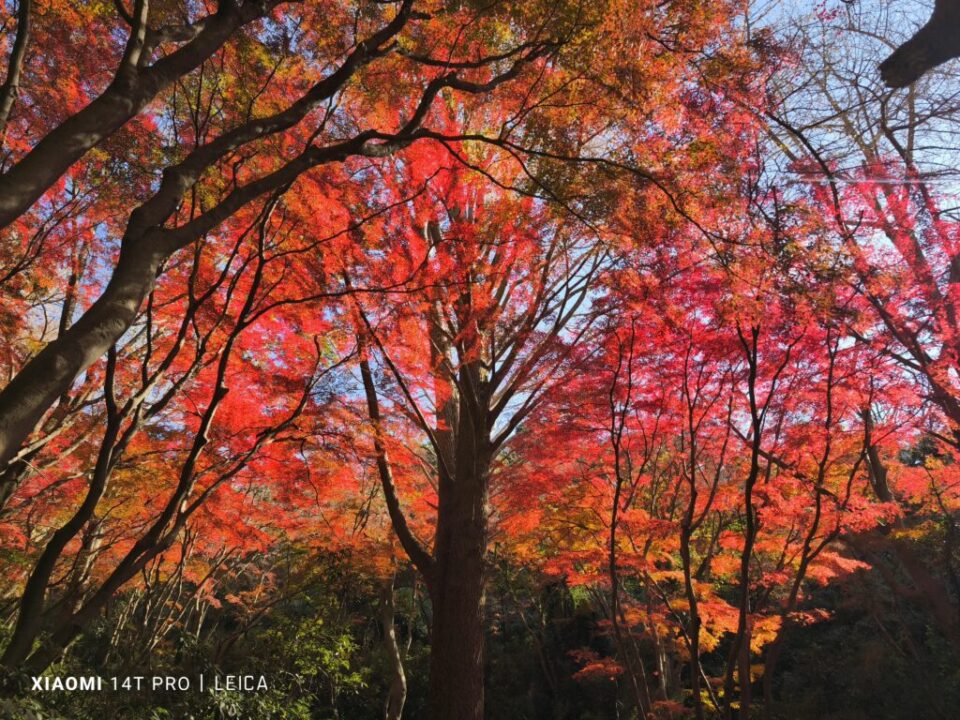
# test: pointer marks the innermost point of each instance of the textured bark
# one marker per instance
(456, 646)
(471, 395)
(740, 646)
(411, 545)
(455, 571)
(875, 466)
(457, 594)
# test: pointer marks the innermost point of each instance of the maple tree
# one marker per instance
(161, 224)
(892, 233)
(504, 293)
(711, 480)
(447, 358)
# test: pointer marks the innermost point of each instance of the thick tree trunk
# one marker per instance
(457, 586)
(454, 572)
(48, 375)
(457, 647)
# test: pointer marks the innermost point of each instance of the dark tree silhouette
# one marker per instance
(933, 44)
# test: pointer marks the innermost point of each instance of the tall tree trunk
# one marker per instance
(457, 587)
(739, 656)
(456, 649)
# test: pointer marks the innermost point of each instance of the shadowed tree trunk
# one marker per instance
(457, 587)
(487, 371)
(455, 571)
(397, 693)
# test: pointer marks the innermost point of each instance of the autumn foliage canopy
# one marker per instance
(447, 358)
